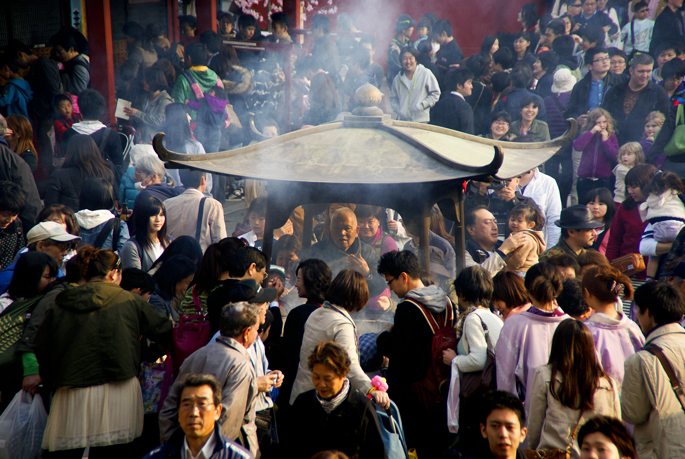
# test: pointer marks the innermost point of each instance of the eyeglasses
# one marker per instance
(601, 59)
(391, 281)
(202, 406)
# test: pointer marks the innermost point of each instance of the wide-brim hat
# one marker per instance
(563, 81)
(577, 217)
(404, 22)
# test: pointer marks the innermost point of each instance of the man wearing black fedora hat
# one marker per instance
(578, 231)
(404, 28)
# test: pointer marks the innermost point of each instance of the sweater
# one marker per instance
(615, 341)
(597, 156)
(473, 346)
(150, 118)
(412, 99)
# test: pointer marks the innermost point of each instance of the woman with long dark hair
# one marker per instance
(83, 160)
(213, 270)
(571, 388)
(627, 226)
(182, 245)
(616, 336)
(34, 271)
(149, 235)
(600, 201)
(97, 214)
(525, 339)
(97, 401)
(489, 46)
(172, 280)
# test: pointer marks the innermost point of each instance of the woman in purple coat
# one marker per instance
(616, 336)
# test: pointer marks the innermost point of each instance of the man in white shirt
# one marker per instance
(183, 211)
(544, 190)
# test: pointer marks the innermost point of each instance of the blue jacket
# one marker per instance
(15, 98)
(127, 191)
(223, 448)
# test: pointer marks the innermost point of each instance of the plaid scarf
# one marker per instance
(332, 403)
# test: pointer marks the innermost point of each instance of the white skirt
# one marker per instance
(108, 414)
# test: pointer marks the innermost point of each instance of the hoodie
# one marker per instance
(92, 335)
(432, 297)
(205, 79)
(91, 222)
(413, 99)
(15, 97)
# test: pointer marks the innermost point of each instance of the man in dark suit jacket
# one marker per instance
(669, 26)
(452, 111)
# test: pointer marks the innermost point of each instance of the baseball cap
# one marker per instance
(49, 230)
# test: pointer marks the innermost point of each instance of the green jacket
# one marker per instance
(182, 91)
(92, 335)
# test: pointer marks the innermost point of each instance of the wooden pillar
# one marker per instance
(269, 227)
(459, 230)
(206, 16)
(293, 8)
(309, 214)
(172, 20)
(99, 23)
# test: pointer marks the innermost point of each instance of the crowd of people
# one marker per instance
(148, 330)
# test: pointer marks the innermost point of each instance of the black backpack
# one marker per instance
(113, 226)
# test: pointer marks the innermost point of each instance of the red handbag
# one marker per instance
(190, 334)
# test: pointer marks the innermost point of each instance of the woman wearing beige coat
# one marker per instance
(581, 390)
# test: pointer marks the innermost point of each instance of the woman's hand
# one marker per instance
(130, 111)
(381, 398)
(447, 356)
(605, 135)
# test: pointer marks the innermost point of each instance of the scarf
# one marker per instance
(331, 404)
(462, 319)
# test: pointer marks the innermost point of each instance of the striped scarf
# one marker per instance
(331, 404)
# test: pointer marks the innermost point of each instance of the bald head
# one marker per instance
(344, 228)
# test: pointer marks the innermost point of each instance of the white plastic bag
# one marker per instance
(453, 399)
(22, 426)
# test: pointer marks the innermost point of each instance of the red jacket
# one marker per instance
(626, 231)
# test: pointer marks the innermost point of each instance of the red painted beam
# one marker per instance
(99, 23)
(206, 16)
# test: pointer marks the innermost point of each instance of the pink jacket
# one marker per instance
(523, 345)
(615, 341)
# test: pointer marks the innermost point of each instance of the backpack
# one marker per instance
(432, 391)
(113, 226)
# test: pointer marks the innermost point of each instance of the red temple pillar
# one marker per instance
(99, 23)
(206, 16)
(174, 28)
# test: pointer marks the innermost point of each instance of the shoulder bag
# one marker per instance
(555, 453)
(480, 382)
(656, 351)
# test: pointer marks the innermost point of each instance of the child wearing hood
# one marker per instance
(528, 220)
(17, 93)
